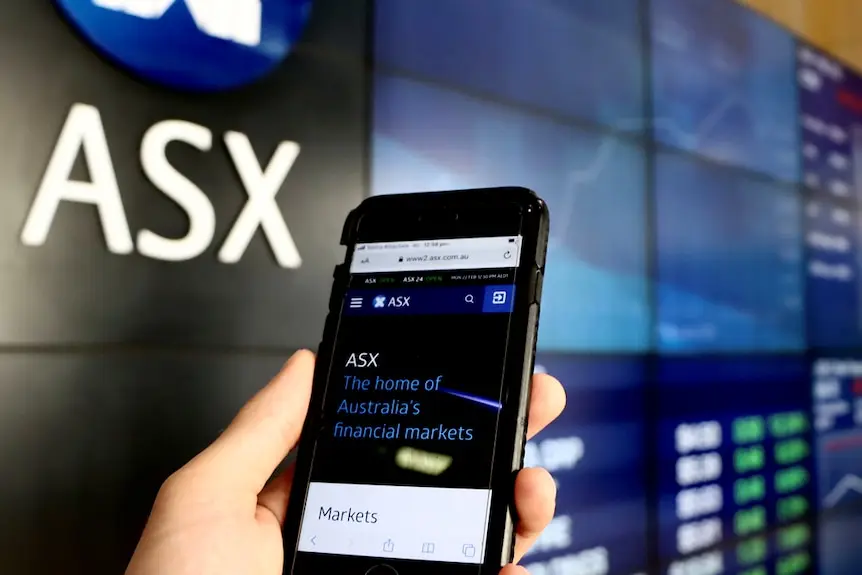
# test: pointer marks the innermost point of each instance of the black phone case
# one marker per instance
(509, 456)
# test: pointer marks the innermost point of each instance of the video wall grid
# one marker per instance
(704, 169)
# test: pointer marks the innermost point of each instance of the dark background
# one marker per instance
(115, 370)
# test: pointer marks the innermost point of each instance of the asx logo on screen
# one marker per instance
(193, 45)
(382, 301)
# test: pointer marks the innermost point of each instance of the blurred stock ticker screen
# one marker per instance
(702, 303)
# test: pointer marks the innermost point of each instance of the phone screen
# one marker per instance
(402, 466)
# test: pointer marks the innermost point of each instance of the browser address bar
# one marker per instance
(454, 254)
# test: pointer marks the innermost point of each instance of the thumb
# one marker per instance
(261, 435)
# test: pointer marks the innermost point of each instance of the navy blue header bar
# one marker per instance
(433, 300)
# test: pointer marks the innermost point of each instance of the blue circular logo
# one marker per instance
(192, 45)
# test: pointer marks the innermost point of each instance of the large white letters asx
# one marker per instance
(83, 132)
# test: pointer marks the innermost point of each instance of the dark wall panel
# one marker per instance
(116, 366)
(87, 439)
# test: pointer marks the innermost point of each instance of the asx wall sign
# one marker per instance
(197, 45)
(84, 133)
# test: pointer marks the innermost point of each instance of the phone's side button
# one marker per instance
(541, 254)
(381, 570)
(335, 299)
(520, 443)
(537, 291)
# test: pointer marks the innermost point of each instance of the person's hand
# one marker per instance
(219, 515)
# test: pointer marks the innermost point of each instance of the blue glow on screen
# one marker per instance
(725, 85)
(510, 50)
(729, 260)
(700, 403)
(837, 391)
(595, 295)
(840, 552)
(475, 93)
(595, 451)
(831, 151)
(840, 473)
(834, 312)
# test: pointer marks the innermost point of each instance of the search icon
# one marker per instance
(468, 298)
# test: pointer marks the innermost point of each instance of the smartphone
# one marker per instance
(417, 421)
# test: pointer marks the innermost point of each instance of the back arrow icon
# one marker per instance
(314, 540)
